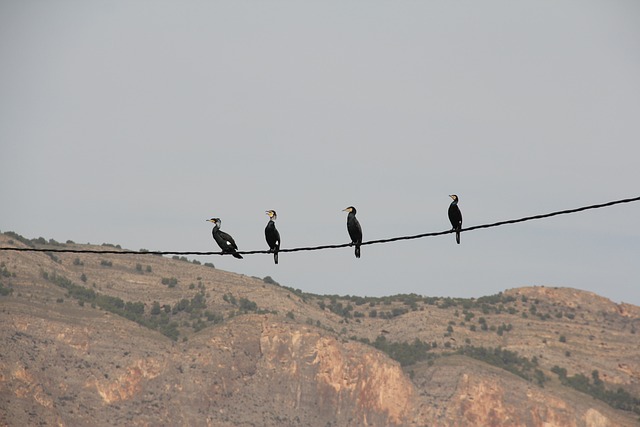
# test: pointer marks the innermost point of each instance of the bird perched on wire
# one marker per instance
(272, 235)
(354, 229)
(455, 216)
(225, 241)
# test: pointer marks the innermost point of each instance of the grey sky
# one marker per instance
(133, 122)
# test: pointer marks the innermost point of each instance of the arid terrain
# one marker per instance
(145, 340)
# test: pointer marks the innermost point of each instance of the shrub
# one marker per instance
(5, 291)
(505, 359)
(171, 282)
(248, 305)
(212, 317)
(270, 281)
(403, 352)
(155, 308)
(619, 399)
(19, 238)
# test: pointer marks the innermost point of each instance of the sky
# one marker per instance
(132, 123)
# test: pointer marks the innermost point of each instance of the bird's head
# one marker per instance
(349, 209)
(216, 221)
(272, 214)
(454, 197)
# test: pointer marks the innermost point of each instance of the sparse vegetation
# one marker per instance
(244, 305)
(4, 272)
(504, 328)
(171, 282)
(247, 305)
(507, 360)
(109, 245)
(4, 291)
(404, 352)
(20, 239)
(270, 281)
(165, 321)
(53, 257)
(619, 399)
(230, 299)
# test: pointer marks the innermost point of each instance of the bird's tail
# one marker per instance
(357, 251)
(237, 255)
(457, 235)
(275, 256)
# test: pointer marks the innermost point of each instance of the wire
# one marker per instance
(344, 245)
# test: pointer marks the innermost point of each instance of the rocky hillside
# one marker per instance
(114, 339)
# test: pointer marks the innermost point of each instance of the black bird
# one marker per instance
(272, 235)
(455, 216)
(226, 242)
(354, 229)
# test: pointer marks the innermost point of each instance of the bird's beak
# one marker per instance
(208, 220)
(451, 195)
(345, 210)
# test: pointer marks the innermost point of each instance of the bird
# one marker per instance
(455, 216)
(225, 241)
(272, 235)
(354, 229)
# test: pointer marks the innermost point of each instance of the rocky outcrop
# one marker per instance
(461, 392)
(357, 384)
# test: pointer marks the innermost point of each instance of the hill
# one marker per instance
(112, 339)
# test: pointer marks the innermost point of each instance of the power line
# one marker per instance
(343, 245)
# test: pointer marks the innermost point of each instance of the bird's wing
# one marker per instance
(455, 216)
(355, 230)
(228, 239)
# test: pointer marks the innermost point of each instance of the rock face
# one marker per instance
(477, 395)
(255, 370)
(67, 364)
(258, 370)
(347, 380)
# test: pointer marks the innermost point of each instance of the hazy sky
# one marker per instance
(132, 122)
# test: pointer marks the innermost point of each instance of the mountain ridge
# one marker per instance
(148, 340)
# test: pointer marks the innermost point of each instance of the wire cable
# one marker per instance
(343, 245)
